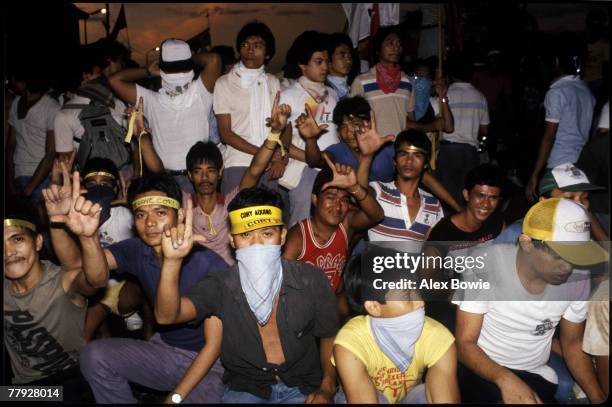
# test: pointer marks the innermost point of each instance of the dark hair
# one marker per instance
(460, 67)
(571, 53)
(381, 35)
(334, 40)
(255, 196)
(96, 164)
(98, 53)
(358, 278)
(356, 106)
(202, 152)
(257, 29)
(324, 176)
(306, 44)
(227, 55)
(37, 83)
(155, 182)
(484, 174)
(414, 137)
(22, 209)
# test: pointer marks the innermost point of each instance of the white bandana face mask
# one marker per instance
(261, 276)
(175, 84)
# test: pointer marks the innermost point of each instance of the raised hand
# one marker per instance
(279, 115)
(139, 124)
(58, 198)
(83, 217)
(344, 175)
(177, 241)
(369, 140)
(56, 170)
(307, 125)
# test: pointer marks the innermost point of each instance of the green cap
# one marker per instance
(568, 178)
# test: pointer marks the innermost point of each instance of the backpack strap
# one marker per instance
(74, 106)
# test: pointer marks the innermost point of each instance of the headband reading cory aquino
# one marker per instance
(255, 217)
(20, 223)
(156, 200)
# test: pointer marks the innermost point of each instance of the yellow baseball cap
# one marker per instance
(565, 227)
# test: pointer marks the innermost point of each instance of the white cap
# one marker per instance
(175, 50)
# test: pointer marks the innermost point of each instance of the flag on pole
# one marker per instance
(120, 24)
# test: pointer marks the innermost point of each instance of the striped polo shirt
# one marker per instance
(391, 108)
(396, 226)
(469, 108)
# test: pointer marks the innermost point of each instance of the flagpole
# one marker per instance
(127, 31)
(107, 25)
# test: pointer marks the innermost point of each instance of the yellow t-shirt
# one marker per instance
(357, 337)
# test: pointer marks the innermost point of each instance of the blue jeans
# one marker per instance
(281, 394)
(565, 379)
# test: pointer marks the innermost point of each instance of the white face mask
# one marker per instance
(261, 276)
(175, 84)
(397, 336)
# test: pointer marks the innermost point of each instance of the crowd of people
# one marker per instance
(222, 215)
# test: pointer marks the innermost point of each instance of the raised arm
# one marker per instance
(145, 151)
(436, 188)
(211, 68)
(123, 82)
(310, 131)
(277, 123)
(177, 242)
(513, 389)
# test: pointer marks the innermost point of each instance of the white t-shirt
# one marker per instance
(177, 123)
(31, 133)
(68, 127)
(469, 108)
(118, 227)
(518, 334)
(230, 98)
(296, 97)
(604, 118)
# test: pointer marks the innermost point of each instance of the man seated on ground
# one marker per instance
(382, 354)
(505, 345)
(272, 309)
(45, 304)
(109, 364)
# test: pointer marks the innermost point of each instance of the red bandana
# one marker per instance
(388, 77)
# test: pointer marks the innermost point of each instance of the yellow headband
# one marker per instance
(101, 173)
(156, 200)
(415, 149)
(255, 217)
(21, 223)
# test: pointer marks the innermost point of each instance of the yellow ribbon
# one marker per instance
(130, 131)
(276, 138)
(256, 217)
(432, 159)
(20, 223)
(101, 173)
(156, 200)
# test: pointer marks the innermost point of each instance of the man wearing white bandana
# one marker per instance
(272, 310)
(381, 355)
(242, 101)
(177, 113)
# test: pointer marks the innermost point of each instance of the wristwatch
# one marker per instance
(444, 99)
(176, 398)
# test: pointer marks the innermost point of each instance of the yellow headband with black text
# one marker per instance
(256, 217)
(21, 223)
(156, 200)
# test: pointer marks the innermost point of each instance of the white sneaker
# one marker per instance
(133, 322)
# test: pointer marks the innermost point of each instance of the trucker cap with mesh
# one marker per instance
(565, 227)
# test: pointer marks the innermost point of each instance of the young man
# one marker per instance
(30, 141)
(242, 101)
(569, 108)
(385, 86)
(478, 222)
(45, 305)
(205, 166)
(101, 59)
(178, 113)
(110, 364)
(458, 152)
(382, 354)
(272, 309)
(505, 345)
(410, 212)
(310, 66)
(341, 71)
